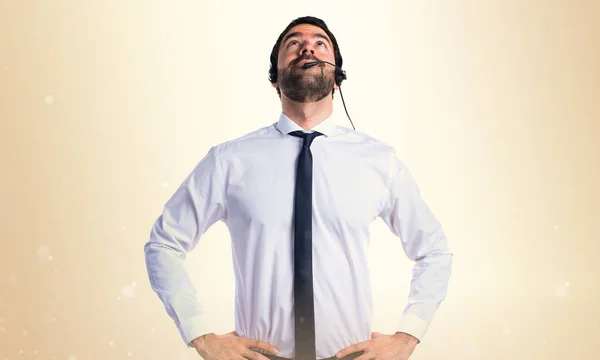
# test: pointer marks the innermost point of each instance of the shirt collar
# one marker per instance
(327, 127)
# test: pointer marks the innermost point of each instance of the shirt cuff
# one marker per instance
(413, 325)
(191, 329)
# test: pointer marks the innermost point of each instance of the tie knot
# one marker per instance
(306, 137)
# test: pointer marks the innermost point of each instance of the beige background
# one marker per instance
(106, 106)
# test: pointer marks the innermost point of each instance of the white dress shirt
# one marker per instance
(248, 183)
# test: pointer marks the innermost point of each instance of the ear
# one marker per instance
(335, 86)
(275, 85)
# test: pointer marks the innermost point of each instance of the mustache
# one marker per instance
(304, 57)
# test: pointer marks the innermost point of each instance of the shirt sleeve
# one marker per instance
(424, 242)
(196, 205)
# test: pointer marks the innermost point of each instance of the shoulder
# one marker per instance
(367, 144)
(245, 142)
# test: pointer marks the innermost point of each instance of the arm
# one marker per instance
(196, 205)
(424, 242)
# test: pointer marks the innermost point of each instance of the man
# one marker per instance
(298, 197)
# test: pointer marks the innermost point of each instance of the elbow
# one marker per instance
(155, 248)
(439, 254)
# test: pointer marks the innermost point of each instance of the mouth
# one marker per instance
(306, 61)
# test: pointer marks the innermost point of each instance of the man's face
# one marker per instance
(305, 43)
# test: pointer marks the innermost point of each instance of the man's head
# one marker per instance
(305, 39)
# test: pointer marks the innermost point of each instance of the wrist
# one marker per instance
(406, 338)
(199, 342)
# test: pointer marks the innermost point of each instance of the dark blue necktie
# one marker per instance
(304, 308)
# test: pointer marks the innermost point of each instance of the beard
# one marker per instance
(306, 85)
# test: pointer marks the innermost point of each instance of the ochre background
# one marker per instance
(106, 106)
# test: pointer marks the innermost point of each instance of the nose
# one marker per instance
(307, 47)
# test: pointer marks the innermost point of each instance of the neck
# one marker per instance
(307, 115)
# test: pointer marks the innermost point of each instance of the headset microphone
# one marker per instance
(339, 72)
(309, 64)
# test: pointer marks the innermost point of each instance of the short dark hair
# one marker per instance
(311, 20)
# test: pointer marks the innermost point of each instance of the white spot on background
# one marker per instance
(13, 278)
(505, 330)
(122, 227)
(111, 343)
(134, 284)
(6, 68)
(43, 252)
(50, 257)
(555, 227)
(165, 184)
(49, 99)
(563, 289)
(72, 357)
(130, 354)
(128, 291)
(25, 333)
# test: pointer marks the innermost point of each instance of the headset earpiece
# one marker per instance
(340, 75)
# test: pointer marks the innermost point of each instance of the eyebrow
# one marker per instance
(297, 33)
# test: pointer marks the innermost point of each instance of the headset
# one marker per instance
(339, 76)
